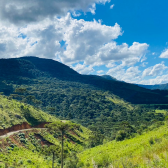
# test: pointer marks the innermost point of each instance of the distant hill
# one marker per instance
(153, 87)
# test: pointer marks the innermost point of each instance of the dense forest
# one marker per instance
(92, 101)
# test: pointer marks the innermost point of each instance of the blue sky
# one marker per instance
(142, 21)
(125, 39)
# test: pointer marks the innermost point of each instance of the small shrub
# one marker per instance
(121, 135)
(20, 162)
(29, 161)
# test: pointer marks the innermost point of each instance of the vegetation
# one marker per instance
(88, 100)
(41, 148)
(63, 127)
(40, 90)
(146, 150)
(13, 112)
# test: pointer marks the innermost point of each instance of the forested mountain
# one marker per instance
(109, 77)
(23, 70)
(91, 100)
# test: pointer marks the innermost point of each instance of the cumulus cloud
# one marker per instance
(130, 75)
(113, 52)
(34, 10)
(83, 69)
(84, 43)
(162, 79)
(164, 54)
(93, 43)
(156, 70)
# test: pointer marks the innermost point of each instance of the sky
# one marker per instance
(125, 39)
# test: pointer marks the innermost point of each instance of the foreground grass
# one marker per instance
(24, 158)
(143, 151)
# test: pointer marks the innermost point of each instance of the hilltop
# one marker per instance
(23, 70)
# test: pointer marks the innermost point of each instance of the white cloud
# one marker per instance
(164, 54)
(113, 52)
(130, 75)
(156, 70)
(76, 14)
(100, 72)
(153, 53)
(84, 39)
(158, 80)
(93, 9)
(26, 11)
(83, 69)
(112, 6)
(90, 43)
(111, 64)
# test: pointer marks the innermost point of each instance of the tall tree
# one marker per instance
(54, 150)
(62, 127)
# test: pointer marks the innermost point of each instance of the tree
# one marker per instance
(54, 150)
(62, 127)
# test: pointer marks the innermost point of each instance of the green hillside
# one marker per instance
(25, 148)
(13, 112)
(90, 100)
(143, 151)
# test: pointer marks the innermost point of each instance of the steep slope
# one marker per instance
(146, 150)
(25, 148)
(13, 112)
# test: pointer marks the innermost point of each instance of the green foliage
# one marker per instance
(88, 100)
(146, 150)
(121, 135)
(13, 112)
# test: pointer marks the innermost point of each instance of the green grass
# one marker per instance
(13, 112)
(24, 158)
(121, 102)
(29, 154)
(143, 151)
(161, 111)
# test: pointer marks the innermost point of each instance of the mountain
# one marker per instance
(109, 77)
(19, 70)
(90, 100)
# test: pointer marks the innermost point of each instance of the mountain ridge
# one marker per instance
(18, 69)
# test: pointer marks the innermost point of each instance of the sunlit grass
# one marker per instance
(144, 150)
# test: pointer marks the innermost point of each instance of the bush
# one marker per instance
(121, 135)
(29, 161)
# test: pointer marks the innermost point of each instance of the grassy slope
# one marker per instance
(26, 154)
(147, 150)
(13, 112)
(29, 154)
